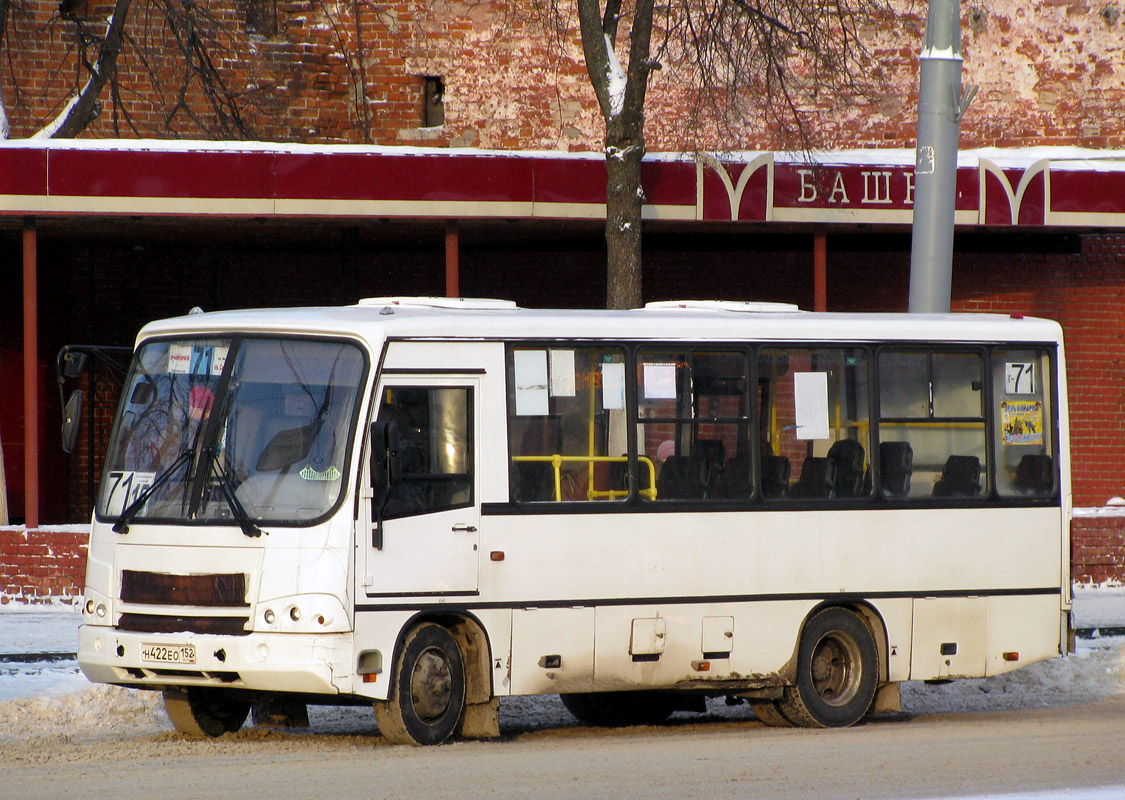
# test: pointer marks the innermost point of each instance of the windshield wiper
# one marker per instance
(127, 514)
(236, 507)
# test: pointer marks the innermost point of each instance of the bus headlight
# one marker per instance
(95, 609)
(306, 613)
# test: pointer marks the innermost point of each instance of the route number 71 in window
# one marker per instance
(125, 487)
(1019, 377)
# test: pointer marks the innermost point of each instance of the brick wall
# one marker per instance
(1097, 547)
(37, 566)
(1051, 73)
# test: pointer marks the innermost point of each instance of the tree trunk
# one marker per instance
(85, 109)
(624, 198)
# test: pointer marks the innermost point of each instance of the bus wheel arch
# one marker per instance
(460, 653)
(837, 670)
(481, 716)
(427, 692)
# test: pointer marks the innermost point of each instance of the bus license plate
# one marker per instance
(168, 653)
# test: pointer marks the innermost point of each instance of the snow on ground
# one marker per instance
(42, 692)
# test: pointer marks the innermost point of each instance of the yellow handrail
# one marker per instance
(556, 461)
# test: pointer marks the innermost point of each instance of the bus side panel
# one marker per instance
(627, 656)
(949, 637)
(552, 650)
(1023, 626)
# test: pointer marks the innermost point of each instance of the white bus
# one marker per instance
(428, 504)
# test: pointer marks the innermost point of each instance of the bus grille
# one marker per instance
(158, 623)
(224, 590)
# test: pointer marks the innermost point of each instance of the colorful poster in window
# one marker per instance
(1022, 421)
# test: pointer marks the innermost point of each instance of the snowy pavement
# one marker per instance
(42, 691)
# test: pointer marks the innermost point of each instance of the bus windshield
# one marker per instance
(215, 429)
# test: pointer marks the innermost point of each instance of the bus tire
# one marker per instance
(768, 713)
(619, 709)
(837, 672)
(205, 712)
(427, 691)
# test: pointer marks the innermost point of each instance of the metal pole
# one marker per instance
(941, 103)
(452, 259)
(820, 271)
(30, 378)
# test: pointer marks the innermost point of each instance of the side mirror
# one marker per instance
(384, 453)
(73, 364)
(72, 420)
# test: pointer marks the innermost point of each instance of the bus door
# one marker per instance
(427, 542)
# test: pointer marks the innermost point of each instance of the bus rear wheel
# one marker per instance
(427, 691)
(619, 709)
(837, 672)
(205, 712)
(769, 714)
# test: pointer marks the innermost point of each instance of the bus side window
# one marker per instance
(435, 449)
(567, 432)
(694, 424)
(1023, 430)
(814, 423)
(932, 424)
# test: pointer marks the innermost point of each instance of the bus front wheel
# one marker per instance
(837, 672)
(205, 712)
(427, 691)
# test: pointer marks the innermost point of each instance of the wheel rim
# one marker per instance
(835, 668)
(431, 685)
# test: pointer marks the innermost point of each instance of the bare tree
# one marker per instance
(84, 107)
(196, 97)
(773, 67)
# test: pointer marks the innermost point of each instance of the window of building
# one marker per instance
(433, 104)
(261, 16)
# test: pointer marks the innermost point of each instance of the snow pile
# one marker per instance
(82, 713)
(1096, 671)
(43, 694)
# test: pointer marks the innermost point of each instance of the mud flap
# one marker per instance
(887, 699)
(481, 720)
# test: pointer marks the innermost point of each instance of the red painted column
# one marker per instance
(30, 377)
(820, 271)
(452, 263)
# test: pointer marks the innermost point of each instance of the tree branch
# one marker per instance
(79, 114)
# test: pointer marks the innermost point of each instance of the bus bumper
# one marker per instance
(276, 662)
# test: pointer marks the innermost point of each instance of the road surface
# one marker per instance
(544, 753)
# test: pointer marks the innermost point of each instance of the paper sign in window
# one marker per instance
(179, 359)
(1019, 377)
(531, 382)
(660, 381)
(811, 404)
(562, 373)
(613, 386)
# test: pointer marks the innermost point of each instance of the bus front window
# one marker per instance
(267, 432)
